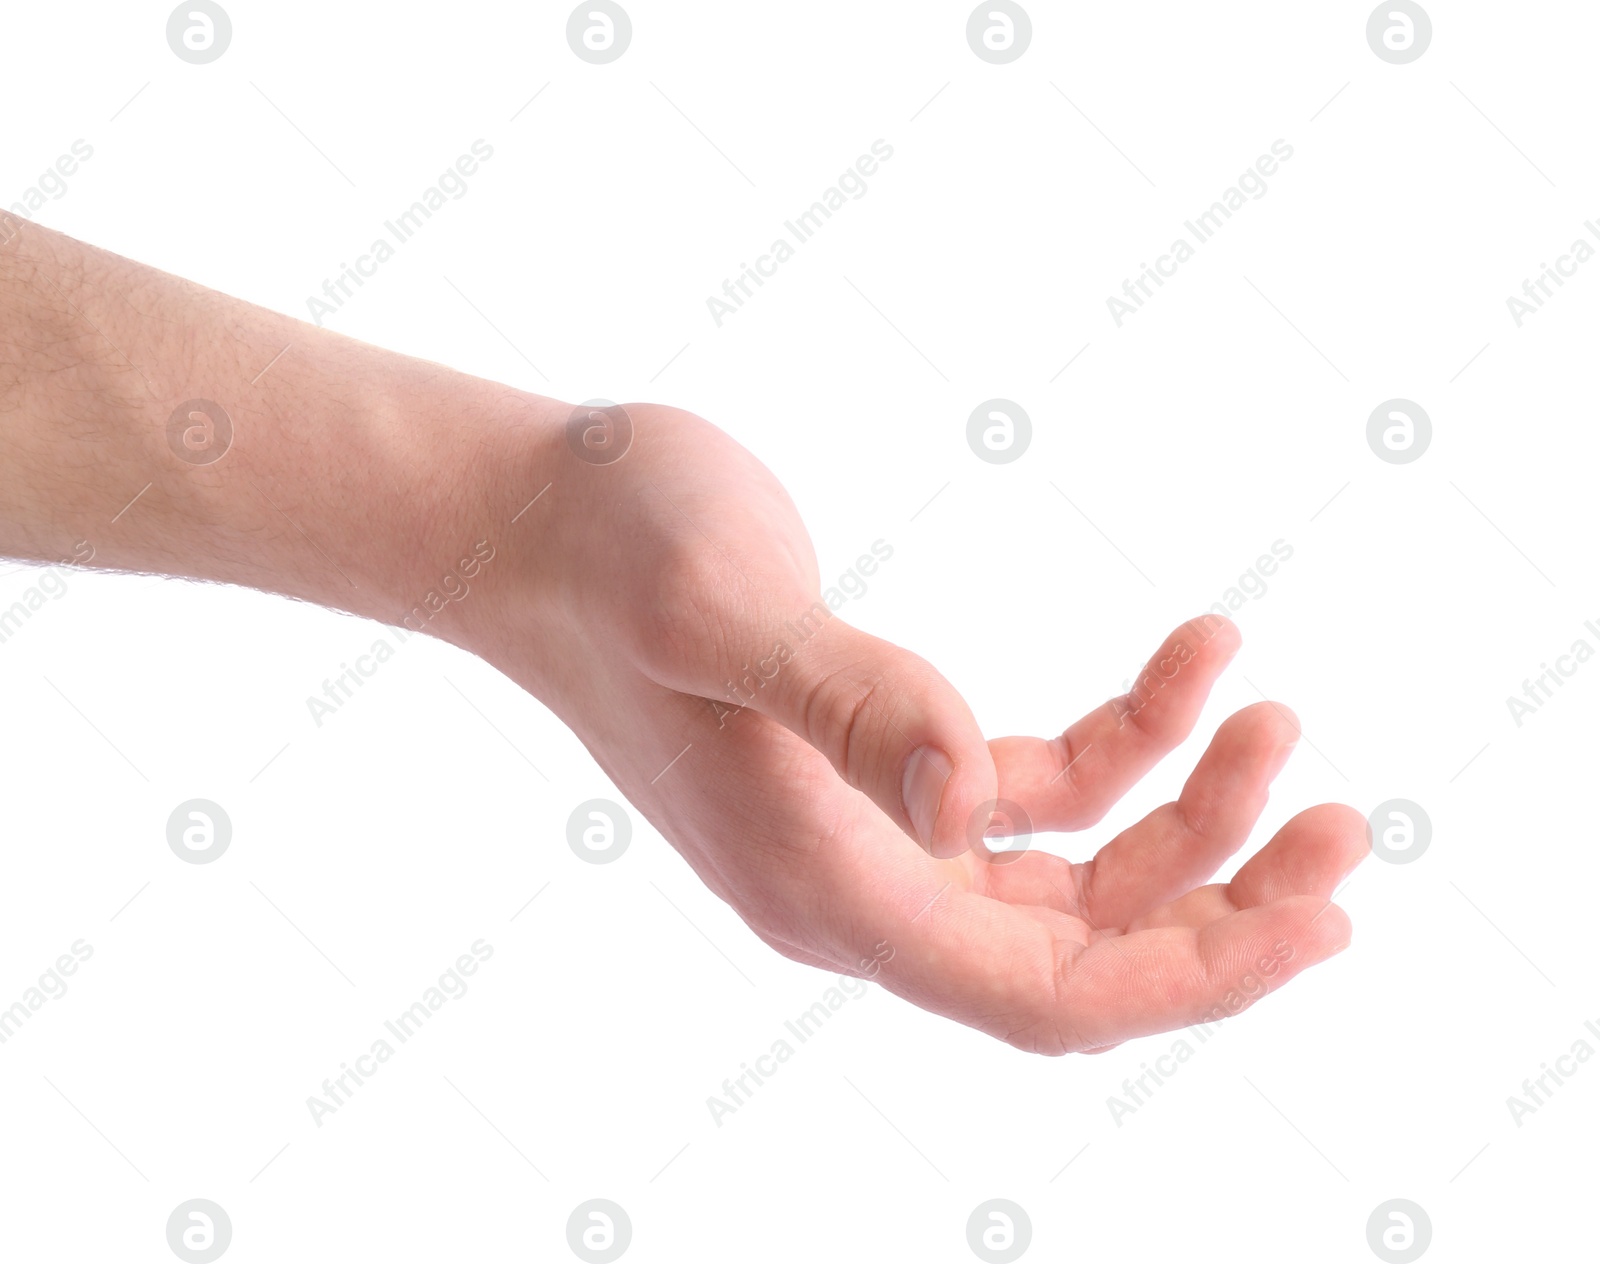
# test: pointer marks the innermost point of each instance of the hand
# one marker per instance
(837, 793)
(841, 812)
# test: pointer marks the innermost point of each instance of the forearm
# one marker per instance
(352, 477)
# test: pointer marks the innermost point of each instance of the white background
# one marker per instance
(1189, 440)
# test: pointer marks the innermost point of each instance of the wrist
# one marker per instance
(471, 558)
(364, 481)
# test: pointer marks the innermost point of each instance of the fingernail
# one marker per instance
(923, 786)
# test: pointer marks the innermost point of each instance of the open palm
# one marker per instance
(841, 811)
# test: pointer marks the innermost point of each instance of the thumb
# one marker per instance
(891, 725)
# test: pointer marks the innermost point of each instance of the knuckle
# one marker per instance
(839, 714)
(1081, 806)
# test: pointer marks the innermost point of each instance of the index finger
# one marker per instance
(1070, 782)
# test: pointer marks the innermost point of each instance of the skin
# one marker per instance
(841, 812)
